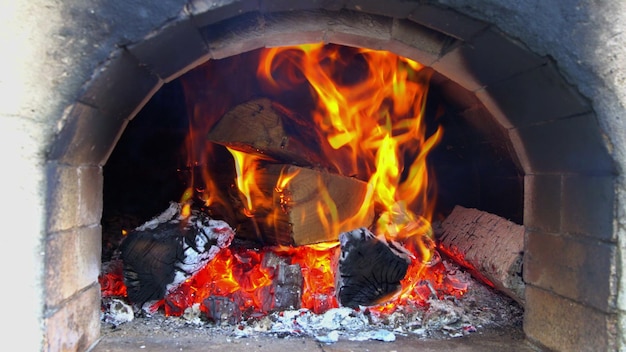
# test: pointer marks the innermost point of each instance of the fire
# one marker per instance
(374, 129)
(369, 110)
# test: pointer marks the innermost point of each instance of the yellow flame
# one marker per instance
(185, 200)
(373, 127)
(245, 164)
(327, 209)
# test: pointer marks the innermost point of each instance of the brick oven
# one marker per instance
(543, 82)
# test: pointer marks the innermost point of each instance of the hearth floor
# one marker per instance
(493, 341)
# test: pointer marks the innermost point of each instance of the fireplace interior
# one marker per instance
(520, 141)
(153, 165)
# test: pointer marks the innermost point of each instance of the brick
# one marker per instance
(488, 58)
(456, 97)
(588, 206)
(417, 42)
(207, 12)
(563, 325)
(88, 136)
(568, 145)
(577, 269)
(172, 51)
(447, 21)
(91, 181)
(493, 106)
(537, 95)
(235, 35)
(120, 87)
(360, 30)
(76, 325)
(542, 203)
(294, 28)
(268, 6)
(72, 263)
(484, 125)
(394, 8)
(74, 196)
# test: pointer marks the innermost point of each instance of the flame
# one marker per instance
(374, 129)
(245, 164)
(369, 109)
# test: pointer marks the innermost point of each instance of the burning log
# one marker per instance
(370, 269)
(314, 206)
(490, 247)
(264, 127)
(167, 250)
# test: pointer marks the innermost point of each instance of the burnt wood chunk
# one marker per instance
(489, 246)
(263, 127)
(165, 251)
(221, 310)
(314, 206)
(370, 269)
(286, 290)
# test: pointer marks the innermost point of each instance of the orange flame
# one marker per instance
(374, 129)
(245, 165)
(373, 126)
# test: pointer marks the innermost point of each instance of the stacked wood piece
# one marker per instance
(263, 127)
(300, 212)
(489, 246)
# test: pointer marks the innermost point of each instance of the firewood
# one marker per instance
(370, 269)
(490, 247)
(169, 249)
(294, 217)
(266, 128)
(286, 290)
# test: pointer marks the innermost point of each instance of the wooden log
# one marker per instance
(167, 250)
(314, 206)
(490, 247)
(370, 269)
(266, 128)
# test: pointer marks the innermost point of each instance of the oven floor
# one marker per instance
(494, 341)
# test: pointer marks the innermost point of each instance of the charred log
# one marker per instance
(167, 250)
(370, 269)
(293, 218)
(287, 280)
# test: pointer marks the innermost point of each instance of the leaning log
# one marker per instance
(266, 128)
(314, 206)
(488, 246)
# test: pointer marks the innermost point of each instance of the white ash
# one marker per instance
(480, 309)
(168, 250)
(195, 257)
(115, 311)
(171, 214)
